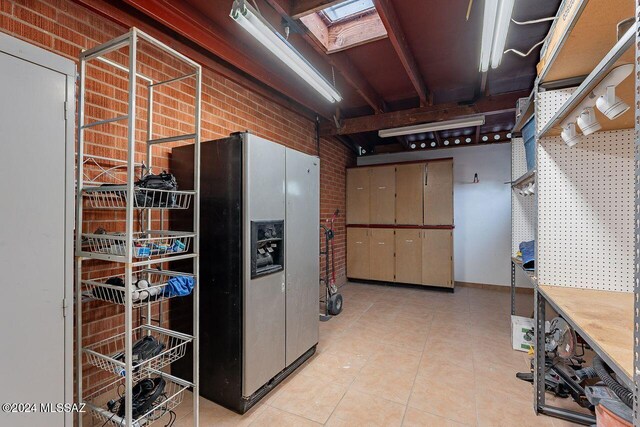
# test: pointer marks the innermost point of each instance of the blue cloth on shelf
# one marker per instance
(179, 286)
(528, 250)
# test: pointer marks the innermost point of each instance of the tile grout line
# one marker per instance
(302, 373)
(406, 407)
(354, 378)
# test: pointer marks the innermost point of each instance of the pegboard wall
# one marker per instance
(586, 211)
(523, 208)
(552, 100)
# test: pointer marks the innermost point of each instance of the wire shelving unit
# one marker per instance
(137, 252)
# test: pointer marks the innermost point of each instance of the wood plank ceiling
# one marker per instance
(424, 70)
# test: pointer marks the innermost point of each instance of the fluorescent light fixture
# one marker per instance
(433, 126)
(495, 27)
(258, 27)
(488, 28)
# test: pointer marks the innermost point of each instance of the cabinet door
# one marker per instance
(358, 196)
(382, 254)
(409, 256)
(358, 259)
(437, 258)
(37, 353)
(409, 194)
(438, 193)
(383, 195)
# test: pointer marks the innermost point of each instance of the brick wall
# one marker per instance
(228, 106)
(335, 158)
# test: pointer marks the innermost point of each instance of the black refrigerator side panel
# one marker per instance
(220, 272)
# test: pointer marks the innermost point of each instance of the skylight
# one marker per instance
(346, 24)
(346, 9)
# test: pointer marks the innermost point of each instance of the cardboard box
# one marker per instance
(521, 329)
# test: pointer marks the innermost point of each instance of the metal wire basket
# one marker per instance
(157, 280)
(146, 244)
(108, 354)
(170, 399)
(115, 197)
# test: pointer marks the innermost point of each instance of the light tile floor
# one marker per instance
(403, 357)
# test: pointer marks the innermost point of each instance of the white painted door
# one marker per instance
(32, 239)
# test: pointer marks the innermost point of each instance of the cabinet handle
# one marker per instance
(381, 243)
(359, 243)
(381, 188)
(359, 188)
(426, 175)
(409, 241)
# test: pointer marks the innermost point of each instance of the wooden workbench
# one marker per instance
(603, 318)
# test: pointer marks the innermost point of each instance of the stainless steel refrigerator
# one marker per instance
(259, 265)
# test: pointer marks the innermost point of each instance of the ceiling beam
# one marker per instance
(304, 7)
(494, 104)
(397, 37)
(186, 21)
(338, 61)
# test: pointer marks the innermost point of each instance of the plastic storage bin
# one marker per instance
(529, 136)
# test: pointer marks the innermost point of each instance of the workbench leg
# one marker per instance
(636, 210)
(539, 357)
(513, 288)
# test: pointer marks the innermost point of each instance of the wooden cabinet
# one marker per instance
(438, 193)
(383, 195)
(391, 209)
(358, 257)
(358, 196)
(382, 252)
(405, 194)
(409, 194)
(437, 258)
(409, 256)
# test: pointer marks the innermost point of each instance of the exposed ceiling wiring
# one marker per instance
(533, 21)
(517, 52)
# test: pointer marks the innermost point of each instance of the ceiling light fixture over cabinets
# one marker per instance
(495, 27)
(258, 27)
(433, 126)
